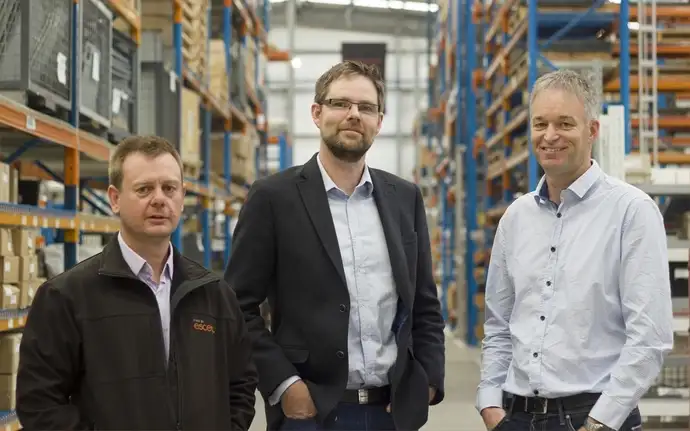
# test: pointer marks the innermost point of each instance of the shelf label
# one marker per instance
(62, 68)
(30, 122)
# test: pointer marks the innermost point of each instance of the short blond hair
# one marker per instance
(573, 83)
(150, 146)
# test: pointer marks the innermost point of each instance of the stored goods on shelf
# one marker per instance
(190, 149)
(96, 58)
(125, 88)
(243, 156)
(218, 81)
(158, 113)
(157, 16)
(35, 54)
(9, 361)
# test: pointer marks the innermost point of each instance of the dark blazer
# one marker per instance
(285, 249)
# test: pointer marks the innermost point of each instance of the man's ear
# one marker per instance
(316, 114)
(114, 198)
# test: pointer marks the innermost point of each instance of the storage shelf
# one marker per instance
(29, 135)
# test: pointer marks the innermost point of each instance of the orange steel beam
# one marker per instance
(665, 83)
(670, 158)
(668, 122)
(664, 12)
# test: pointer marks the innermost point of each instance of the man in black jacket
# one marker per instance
(137, 337)
(342, 253)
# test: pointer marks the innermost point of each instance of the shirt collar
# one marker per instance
(138, 264)
(365, 182)
(579, 187)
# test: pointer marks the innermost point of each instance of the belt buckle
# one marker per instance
(363, 396)
(544, 406)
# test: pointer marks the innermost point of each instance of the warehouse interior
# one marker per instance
(230, 83)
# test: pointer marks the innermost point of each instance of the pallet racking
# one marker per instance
(46, 148)
(474, 164)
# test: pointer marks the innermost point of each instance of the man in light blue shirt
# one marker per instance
(578, 297)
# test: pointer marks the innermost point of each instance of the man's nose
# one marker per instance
(551, 133)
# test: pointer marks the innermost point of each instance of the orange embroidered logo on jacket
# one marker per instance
(202, 326)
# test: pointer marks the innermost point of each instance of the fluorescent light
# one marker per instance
(296, 63)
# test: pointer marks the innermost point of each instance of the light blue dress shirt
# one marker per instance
(372, 349)
(578, 297)
(161, 290)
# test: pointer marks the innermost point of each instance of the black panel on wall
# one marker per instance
(368, 53)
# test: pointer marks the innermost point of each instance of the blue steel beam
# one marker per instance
(206, 202)
(624, 69)
(71, 160)
(533, 57)
(21, 150)
(59, 179)
(177, 42)
(470, 170)
(227, 134)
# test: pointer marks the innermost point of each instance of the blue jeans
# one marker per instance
(568, 421)
(347, 417)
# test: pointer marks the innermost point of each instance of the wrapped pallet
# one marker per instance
(218, 84)
(190, 145)
(157, 16)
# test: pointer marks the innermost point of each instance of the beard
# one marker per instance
(347, 153)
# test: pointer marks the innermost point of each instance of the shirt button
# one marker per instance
(558, 215)
(535, 354)
(548, 283)
(536, 392)
(342, 308)
(553, 249)
(340, 354)
(542, 318)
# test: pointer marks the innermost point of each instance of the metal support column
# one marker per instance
(465, 22)
(179, 72)
(399, 145)
(624, 36)
(291, 21)
(227, 132)
(71, 159)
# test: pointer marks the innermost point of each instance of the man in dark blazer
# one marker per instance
(342, 253)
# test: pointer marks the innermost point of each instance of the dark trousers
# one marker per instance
(571, 419)
(347, 417)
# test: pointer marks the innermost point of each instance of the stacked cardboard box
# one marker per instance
(9, 361)
(157, 16)
(218, 83)
(243, 155)
(18, 268)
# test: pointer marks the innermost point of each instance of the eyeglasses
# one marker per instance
(345, 105)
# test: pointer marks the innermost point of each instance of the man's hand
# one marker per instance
(297, 403)
(492, 416)
(432, 394)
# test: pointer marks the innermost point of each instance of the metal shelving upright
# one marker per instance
(42, 146)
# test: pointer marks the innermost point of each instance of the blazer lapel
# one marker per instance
(313, 192)
(389, 212)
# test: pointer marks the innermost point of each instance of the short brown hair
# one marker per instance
(150, 146)
(350, 68)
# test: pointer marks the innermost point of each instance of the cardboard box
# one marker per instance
(28, 267)
(9, 297)
(27, 291)
(8, 388)
(5, 188)
(6, 243)
(9, 272)
(9, 353)
(23, 242)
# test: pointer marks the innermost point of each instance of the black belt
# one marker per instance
(537, 405)
(380, 395)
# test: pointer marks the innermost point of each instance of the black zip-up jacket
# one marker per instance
(92, 354)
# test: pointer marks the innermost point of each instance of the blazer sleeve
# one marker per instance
(251, 274)
(427, 322)
(49, 364)
(243, 375)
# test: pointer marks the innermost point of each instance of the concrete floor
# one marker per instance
(456, 412)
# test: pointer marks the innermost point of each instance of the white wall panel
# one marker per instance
(384, 152)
